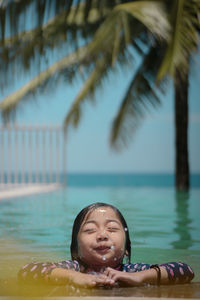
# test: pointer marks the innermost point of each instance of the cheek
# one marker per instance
(119, 242)
(123, 243)
(82, 246)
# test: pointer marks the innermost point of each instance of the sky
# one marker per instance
(88, 149)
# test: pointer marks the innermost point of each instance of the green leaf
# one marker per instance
(140, 95)
(13, 100)
(150, 13)
(184, 39)
(73, 116)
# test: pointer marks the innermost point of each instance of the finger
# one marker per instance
(93, 283)
(108, 272)
(101, 277)
(104, 280)
(111, 274)
(108, 281)
(109, 269)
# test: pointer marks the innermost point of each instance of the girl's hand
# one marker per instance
(89, 280)
(137, 278)
(128, 279)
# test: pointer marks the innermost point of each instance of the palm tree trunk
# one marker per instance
(181, 123)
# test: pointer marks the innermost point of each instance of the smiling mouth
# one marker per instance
(102, 249)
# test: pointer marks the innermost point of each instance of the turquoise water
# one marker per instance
(107, 179)
(164, 226)
(126, 179)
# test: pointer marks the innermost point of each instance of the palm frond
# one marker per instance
(87, 10)
(107, 42)
(184, 18)
(66, 28)
(55, 29)
(117, 29)
(12, 101)
(122, 35)
(150, 13)
(109, 45)
(95, 78)
(141, 94)
(86, 55)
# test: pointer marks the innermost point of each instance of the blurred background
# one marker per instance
(99, 103)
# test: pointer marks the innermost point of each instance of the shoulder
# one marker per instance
(68, 264)
(136, 267)
(40, 269)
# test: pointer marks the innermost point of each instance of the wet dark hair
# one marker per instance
(77, 224)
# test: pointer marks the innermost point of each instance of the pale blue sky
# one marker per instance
(88, 150)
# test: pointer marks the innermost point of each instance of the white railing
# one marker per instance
(32, 154)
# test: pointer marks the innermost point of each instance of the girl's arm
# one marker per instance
(66, 272)
(71, 277)
(139, 274)
(137, 278)
(40, 272)
(178, 272)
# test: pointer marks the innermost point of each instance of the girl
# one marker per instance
(100, 244)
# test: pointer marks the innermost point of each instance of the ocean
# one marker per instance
(103, 179)
(126, 179)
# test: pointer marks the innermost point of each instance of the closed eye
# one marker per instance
(89, 230)
(113, 229)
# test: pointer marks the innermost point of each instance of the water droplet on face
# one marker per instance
(112, 247)
(115, 258)
(104, 258)
(125, 229)
(102, 210)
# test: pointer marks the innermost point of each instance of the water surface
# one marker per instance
(164, 226)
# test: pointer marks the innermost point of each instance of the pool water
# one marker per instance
(164, 226)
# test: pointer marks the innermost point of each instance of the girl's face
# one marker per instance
(101, 238)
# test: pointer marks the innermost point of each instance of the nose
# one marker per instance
(102, 235)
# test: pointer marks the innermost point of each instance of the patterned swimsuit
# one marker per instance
(178, 272)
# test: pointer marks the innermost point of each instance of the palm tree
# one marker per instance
(110, 33)
(183, 16)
